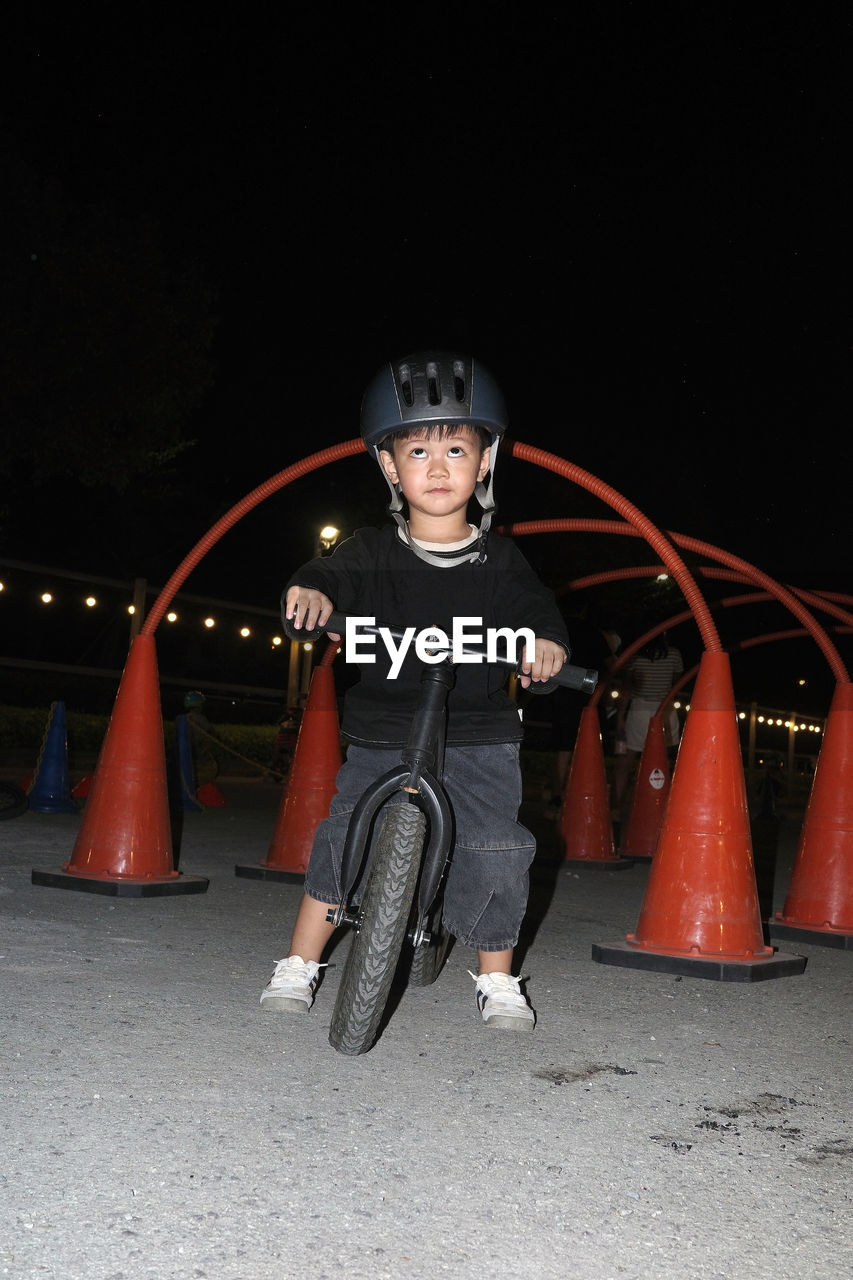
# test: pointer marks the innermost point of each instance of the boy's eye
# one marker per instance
(418, 451)
(455, 451)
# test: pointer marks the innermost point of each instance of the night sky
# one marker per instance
(637, 216)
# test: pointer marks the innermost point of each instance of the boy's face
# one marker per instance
(437, 477)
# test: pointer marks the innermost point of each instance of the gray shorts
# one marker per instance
(486, 890)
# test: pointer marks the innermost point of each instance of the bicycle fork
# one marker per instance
(423, 753)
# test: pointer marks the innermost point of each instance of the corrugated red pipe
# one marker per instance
(630, 529)
(226, 522)
(641, 525)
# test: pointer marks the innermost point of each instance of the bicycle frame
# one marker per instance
(419, 774)
(411, 851)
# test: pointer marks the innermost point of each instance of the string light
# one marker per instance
(276, 642)
(271, 642)
(778, 723)
(209, 622)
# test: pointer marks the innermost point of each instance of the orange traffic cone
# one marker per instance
(124, 844)
(701, 915)
(650, 795)
(585, 826)
(50, 790)
(210, 797)
(310, 787)
(819, 905)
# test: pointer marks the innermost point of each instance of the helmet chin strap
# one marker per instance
(475, 552)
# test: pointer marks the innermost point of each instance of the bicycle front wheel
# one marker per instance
(383, 919)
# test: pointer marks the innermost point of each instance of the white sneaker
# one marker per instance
(291, 988)
(501, 1002)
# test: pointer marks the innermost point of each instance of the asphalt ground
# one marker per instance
(158, 1123)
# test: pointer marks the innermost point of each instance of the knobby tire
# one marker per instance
(383, 919)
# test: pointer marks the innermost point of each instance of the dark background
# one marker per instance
(638, 216)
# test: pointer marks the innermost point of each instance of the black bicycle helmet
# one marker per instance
(431, 387)
(435, 388)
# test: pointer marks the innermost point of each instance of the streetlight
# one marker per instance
(301, 654)
(326, 539)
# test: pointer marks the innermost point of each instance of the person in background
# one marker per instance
(647, 679)
(607, 713)
(286, 735)
(204, 761)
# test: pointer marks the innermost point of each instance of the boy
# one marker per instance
(433, 422)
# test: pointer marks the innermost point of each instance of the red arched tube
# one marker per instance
(639, 524)
(226, 522)
(782, 594)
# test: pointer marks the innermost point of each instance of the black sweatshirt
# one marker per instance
(374, 574)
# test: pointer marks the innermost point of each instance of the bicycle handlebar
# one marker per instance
(570, 676)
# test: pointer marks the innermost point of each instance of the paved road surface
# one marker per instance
(157, 1123)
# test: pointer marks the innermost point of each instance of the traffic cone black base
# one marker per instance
(779, 965)
(121, 888)
(821, 937)
(257, 871)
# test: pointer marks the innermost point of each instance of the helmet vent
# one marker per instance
(459, 379)
(433, 382)
(406, 388)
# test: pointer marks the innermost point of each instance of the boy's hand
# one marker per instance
(308, 609)
(548, 659)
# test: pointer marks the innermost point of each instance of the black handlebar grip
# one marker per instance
(337, 623)
(571, 677)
